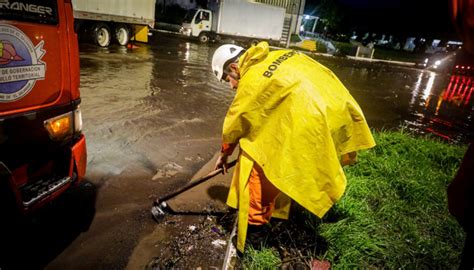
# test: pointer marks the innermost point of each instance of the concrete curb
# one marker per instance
(231, 252)
(410, 64)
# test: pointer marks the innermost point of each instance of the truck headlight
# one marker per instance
(60, 127)
(64, 126)
(186, 31)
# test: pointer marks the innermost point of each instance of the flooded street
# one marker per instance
(153, 115)
(422, 101)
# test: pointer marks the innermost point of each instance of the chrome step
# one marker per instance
(32, 193)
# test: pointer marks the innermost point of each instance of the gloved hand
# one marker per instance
(222, 163)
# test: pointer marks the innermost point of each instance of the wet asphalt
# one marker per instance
(152, 117)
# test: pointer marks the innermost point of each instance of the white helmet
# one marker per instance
(222, 57)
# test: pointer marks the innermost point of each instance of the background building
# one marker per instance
(294, 14)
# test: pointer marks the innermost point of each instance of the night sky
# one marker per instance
(423, 18)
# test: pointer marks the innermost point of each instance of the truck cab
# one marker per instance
(240, 20)
(198, 23)
(42, 148)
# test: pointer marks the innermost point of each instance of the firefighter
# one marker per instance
(296, 125)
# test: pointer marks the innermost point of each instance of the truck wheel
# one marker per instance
(204, 37)
(101, 34)
(122, 34)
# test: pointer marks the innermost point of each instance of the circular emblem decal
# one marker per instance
(20, 63)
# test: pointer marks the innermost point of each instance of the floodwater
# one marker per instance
(152, 117)
(422, 101)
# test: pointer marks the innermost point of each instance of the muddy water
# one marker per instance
(133, 98)
(153, 115)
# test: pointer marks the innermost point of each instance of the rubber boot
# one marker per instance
(257, 236)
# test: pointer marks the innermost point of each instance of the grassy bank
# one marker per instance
(393, 213)
(398, 55)
(383, 53)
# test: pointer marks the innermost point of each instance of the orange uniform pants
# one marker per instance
(262, 197)
(263, 193)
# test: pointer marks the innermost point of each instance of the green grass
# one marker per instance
(321, 47)
(295, 38)
(394, 211)
(343, 47)
(263, 259)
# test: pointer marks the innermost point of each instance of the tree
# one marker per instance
(330, 12)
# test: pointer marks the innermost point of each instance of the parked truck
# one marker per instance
(42, 148)
(238, 19)
(104, 21)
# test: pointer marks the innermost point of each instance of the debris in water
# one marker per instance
(192, 228)
(167, 171)
(219, 243)
(198, 158)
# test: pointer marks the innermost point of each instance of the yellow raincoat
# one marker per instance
(295, 119)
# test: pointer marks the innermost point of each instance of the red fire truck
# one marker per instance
(42, 148)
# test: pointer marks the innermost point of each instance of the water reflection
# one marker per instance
(447, 114)
(424, 102)
(417, 88)
(429, 86)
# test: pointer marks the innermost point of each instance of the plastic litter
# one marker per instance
(320, 265)
(219, 243)
(216, 230)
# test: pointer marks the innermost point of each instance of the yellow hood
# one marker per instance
(252, 56)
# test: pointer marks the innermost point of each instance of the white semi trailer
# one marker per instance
(236, 19)
(104, 21)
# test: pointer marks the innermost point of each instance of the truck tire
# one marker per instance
(101, 34)
(122, 34)
(204, 37)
